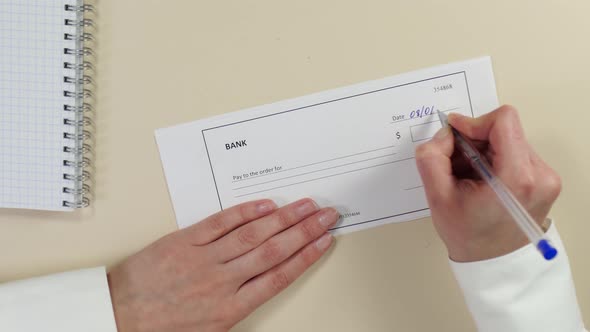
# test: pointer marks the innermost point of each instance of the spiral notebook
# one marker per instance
(44, 104)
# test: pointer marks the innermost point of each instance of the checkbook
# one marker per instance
(352, 148)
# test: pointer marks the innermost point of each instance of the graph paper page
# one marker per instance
(32, 103)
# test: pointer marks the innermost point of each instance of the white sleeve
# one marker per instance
(67, 302)
(521, 291)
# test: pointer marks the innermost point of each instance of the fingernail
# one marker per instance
(266, 207)
(306, 208)
(328, 218)
(324, 242)
(442, 133)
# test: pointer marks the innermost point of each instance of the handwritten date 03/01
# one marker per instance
(416, 113)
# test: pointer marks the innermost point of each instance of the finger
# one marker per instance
(283, 245)
(433, 160)
(502, 128)
(252, 235)
(549, 184)
(265, 286)
(221, 223)
(481, 127)
(462, 168)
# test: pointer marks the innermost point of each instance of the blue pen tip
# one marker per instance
(548, 251)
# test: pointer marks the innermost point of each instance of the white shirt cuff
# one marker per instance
(521, 291)
(67, 302)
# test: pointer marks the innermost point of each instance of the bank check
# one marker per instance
(351, 148)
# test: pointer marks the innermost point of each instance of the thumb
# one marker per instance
(474, 128)
(501, 125)
(433, 160)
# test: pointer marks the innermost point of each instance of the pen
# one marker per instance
(519, 214)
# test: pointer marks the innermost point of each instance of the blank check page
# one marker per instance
(32, 103)
(352, 148)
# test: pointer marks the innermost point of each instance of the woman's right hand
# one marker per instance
(465, 211)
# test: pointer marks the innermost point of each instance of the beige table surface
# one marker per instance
(161, 63)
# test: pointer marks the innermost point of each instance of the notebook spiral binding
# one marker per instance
(77, 112)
